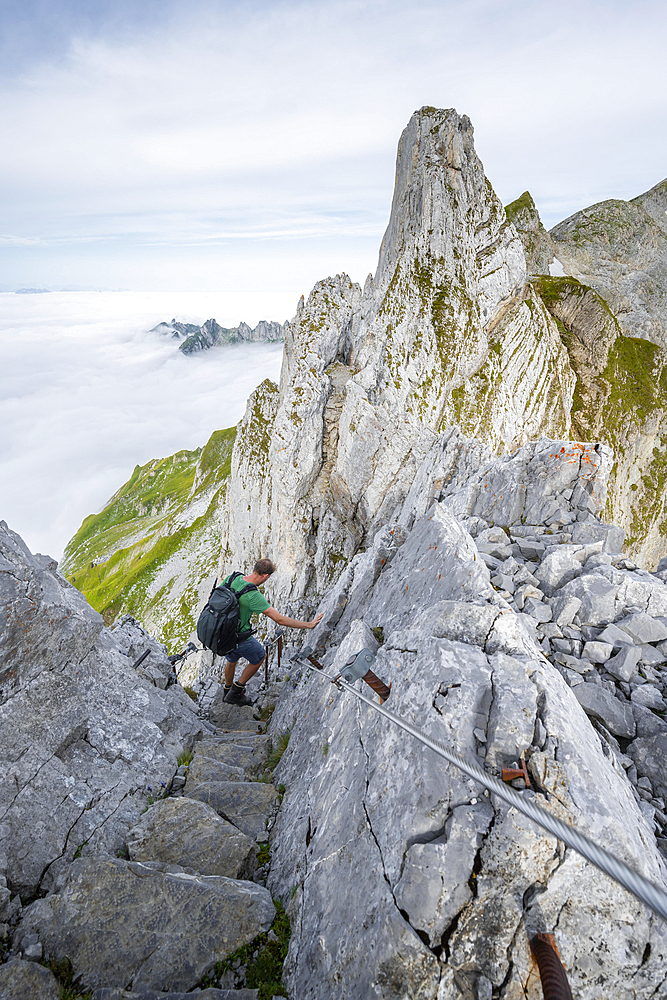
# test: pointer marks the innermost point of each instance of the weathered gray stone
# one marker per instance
(649, 696)
(237, 717)
(127, 924)
(597, 652)
(597, 596)
(84, 741)
(251, 759)
(531, 548)
(610, 535)
(208, 769)
(21, 980)
(624, 664)
(189, 833)
(538, 610)
(601, 704)
(564, 608)
(642, 628)
(246, 804)
(616, 636)
(652, 657)
(557, 568)
(467, 622)
(650, 756)
(648, 723)
(431, 889)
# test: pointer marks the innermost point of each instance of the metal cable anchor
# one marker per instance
(358, 667)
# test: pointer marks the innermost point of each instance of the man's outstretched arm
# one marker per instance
(291, 622)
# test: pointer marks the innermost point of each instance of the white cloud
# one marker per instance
(86, 393)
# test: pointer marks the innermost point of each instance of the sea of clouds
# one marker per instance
(87, 393)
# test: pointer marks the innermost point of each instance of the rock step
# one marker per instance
(251, 758)
(234, 717)
(210, 994)
(246, 804)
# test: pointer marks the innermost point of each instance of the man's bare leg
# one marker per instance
(229, 672)
(249, 672)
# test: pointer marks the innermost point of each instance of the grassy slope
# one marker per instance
(147, 552)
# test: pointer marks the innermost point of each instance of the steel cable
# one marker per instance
(646, 891)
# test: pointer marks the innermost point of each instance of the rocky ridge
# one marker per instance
(211, 334)
(537, 641)
(448, 334)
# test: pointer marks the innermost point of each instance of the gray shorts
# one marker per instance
(251, 649)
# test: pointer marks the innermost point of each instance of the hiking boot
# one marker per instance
(237, 696)
(225, 693)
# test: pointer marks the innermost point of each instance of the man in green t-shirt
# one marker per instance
(248, 647)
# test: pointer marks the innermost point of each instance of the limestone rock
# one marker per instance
(209, 769)
(537, 243)
(251, 756)
(620, 250)
(21, 980)
(84, 741)
(130, 924)
(246, 804)
(189, 833)
(616, 716)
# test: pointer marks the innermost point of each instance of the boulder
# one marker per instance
(647, 722)
(587, 532)
(189, 833)
(21, 980)
(124, 923)
(564, 609)
(557, 568)
(246, 804)
(624, 664)
(642, 628)
(648, 696)
(601, 704)
(618, 637)
(597, 596)
(597, 652)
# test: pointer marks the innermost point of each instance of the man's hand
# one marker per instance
(291, 622)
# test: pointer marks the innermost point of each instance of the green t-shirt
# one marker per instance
(250, 604)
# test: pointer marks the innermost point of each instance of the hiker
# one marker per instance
(252, 603)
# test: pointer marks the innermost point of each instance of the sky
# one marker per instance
(249, 147)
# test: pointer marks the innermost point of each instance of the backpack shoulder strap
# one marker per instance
(230, 579)
(244, 590)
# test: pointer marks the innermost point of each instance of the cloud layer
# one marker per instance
(86, 393)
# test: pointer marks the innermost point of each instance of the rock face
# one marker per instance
(537, 243)
(620, 249)
(445, 332)
(211, 334)
(446, 882)
(84, 740)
